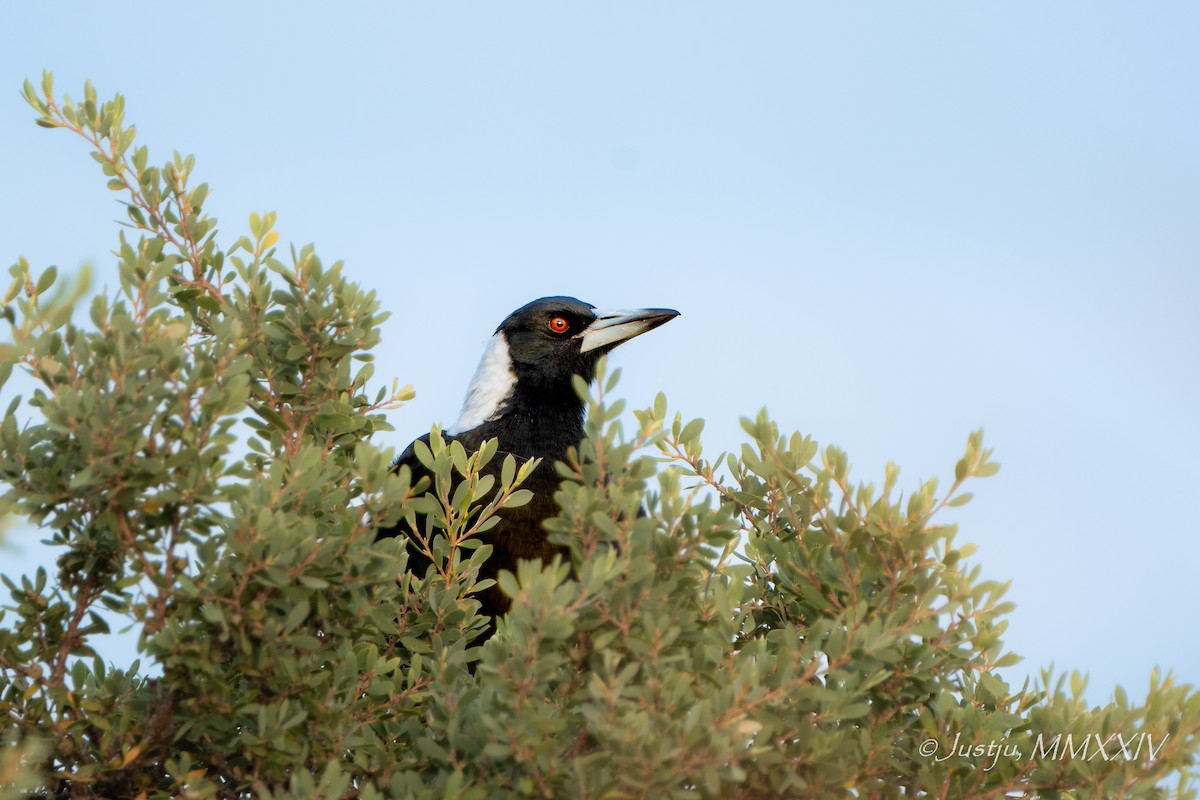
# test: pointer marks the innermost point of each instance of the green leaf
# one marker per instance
(46, 280)
(423, 454)
(691, 430)
(127, 137)
(297, 615)
(508, 471)
(508, 583)
(519, 498)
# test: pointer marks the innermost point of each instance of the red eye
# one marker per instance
(559, 324)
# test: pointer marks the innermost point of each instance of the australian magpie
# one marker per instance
(522, 396)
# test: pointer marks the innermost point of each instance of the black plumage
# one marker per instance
(522, 395)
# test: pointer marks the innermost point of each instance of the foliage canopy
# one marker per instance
(199, 450)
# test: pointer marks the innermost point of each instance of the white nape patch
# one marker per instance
(492, 385)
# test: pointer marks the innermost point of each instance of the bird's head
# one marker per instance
(541, 345)
(553, 338)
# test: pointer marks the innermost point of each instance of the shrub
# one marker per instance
(752, 625)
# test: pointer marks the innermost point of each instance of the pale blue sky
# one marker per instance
(888, 223)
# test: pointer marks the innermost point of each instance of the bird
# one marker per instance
(522, 396)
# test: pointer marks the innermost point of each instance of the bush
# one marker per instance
(753, 625)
